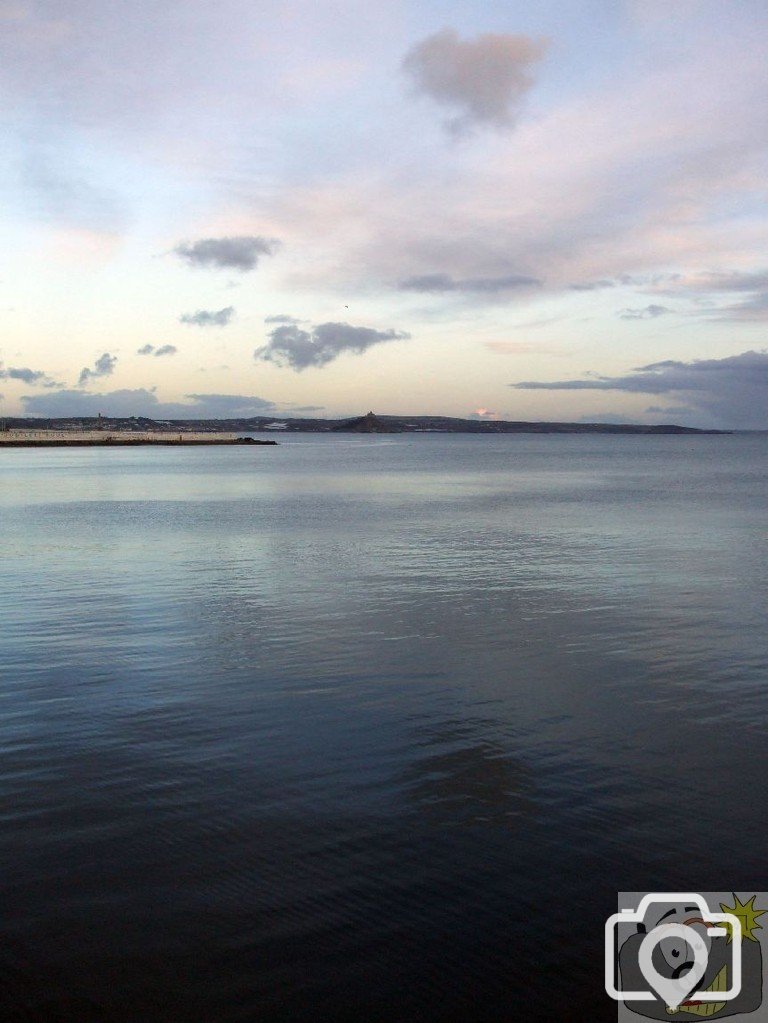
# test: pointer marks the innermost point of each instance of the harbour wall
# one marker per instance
(76, 438)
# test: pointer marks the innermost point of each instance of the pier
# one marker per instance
(118, 438)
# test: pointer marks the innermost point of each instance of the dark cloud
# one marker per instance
(144, 402)
(754, 309)
(103, 367)
(289, 345)
(28, 376)
(483, 80)
(440, 283)
(162, 350)
(241, 252)
(727, 281)
(744, 292)
(750, 289)
(627, 281)
(226, 406)
(732, 392)
(205, 318)
(649, 312)
(592, 285)
(428, 282)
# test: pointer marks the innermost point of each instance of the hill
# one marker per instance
(370, 423)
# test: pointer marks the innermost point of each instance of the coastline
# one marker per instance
(134, 427)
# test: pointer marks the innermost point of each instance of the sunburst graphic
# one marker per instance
(747, 915)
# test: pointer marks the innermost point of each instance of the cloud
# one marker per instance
(592, 285)
(483, 80)
(227, 405)
(59, 191)
(745, 292)
(103, 367)
(732, 391)
(144, 402)
(289, 345)
(241, 252)
(440, 283)
(616, 418)
(485, 415)
(28, 376)
(565, 197)
(282, 319)
(670, 410)
(205, 318)
(649, 312)
(724, 281)
(754, 309)
(754, 286)
(162, 350)
(654, 281)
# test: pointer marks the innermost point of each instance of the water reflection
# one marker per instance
(457, 779)
(318, 738)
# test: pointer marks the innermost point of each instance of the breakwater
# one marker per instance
(118, 438)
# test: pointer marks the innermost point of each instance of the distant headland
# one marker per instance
(95, 430)
(372, 423)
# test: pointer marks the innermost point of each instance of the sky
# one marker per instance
(550, 211)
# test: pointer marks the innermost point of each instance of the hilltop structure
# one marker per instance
(369, 423)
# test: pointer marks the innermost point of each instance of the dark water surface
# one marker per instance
(370, 728)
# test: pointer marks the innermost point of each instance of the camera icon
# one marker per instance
(675, 952)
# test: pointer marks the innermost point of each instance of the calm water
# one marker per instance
(370, 728)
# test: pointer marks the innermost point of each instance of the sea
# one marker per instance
(370, 728)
